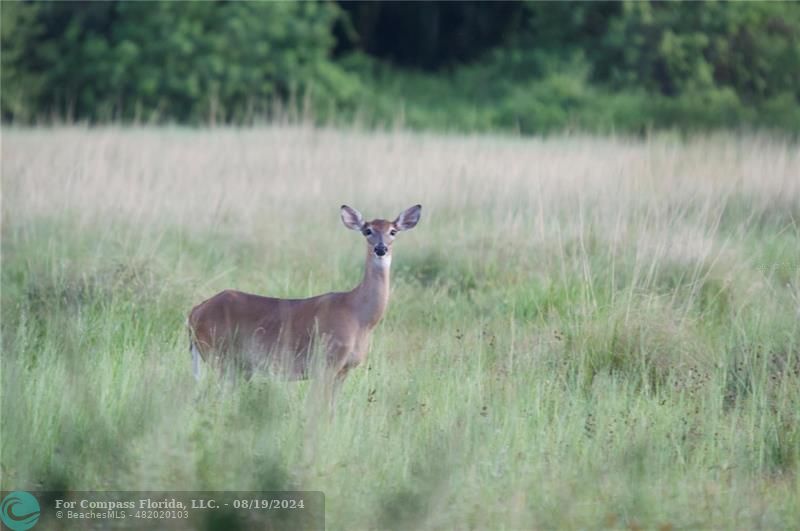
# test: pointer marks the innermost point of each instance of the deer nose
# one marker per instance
(380, 249)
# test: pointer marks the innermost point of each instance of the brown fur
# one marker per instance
(256, 333)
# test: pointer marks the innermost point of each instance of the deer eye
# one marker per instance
(366, 232)
(392, 232)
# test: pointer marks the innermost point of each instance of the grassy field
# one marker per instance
(583, 332)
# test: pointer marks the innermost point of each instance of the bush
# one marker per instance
(599, 67)
(188, 62)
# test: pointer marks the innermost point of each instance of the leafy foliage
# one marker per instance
(184, 61)
(753, 48)
(529, 66)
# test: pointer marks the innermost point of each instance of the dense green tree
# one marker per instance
(21, 84)
(673, 48)
(532, 66)
(179, 60)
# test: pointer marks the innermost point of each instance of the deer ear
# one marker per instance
(352, 218)
(409, 218)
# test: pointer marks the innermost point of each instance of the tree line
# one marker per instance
(533, 66)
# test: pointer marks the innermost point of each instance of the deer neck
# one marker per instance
(372, 295)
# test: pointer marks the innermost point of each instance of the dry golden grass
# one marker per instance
(583, 332)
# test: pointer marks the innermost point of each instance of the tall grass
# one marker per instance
(583, 332)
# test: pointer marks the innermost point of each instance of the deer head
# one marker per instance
(380, 233)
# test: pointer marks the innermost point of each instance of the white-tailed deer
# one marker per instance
(254, 333)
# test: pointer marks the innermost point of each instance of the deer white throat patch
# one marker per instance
(384, 261)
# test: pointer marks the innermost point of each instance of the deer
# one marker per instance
(254, 333)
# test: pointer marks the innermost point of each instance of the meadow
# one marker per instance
(583, 332)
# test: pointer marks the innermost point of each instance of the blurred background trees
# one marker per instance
(530, 67)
